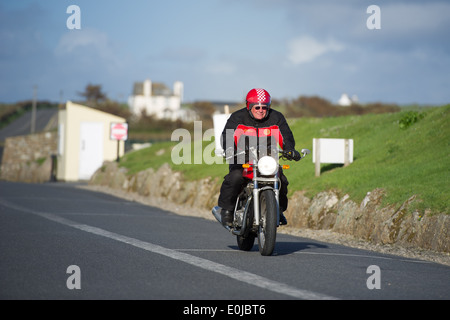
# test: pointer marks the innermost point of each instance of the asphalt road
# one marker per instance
(61, 242)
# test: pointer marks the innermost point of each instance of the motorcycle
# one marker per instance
(257, 210)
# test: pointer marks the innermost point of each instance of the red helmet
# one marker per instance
(257, 96)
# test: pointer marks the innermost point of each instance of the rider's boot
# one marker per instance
(283, 220)
(227, 217)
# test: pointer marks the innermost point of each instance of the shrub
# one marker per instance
(409, 118)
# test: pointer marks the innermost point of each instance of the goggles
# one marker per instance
(258, 106)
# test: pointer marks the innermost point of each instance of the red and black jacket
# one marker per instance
(242, 123)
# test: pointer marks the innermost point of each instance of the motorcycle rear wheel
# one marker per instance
(267, 231)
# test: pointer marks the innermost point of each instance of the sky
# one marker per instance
(220, 49)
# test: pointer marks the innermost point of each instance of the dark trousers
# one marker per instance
(234, 182)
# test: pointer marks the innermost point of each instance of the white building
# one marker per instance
(84, 141)
(158, 100)
(346, 101)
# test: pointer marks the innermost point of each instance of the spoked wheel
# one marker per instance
(267, 231)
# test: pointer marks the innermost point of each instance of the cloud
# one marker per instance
(85, 39)
(89, 49)
(306, 49)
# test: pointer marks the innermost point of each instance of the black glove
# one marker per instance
(292, 155)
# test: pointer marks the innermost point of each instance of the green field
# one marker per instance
(405, 153)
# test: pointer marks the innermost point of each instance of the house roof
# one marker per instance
(158, 89)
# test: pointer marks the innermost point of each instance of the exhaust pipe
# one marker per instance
(216, 213)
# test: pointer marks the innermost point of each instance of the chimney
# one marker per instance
(178, 89)
(147, 88)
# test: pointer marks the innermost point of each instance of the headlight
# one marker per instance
(267, 166)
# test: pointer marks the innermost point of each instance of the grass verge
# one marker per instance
(405, 153)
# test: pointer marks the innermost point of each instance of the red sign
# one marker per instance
(119, 131)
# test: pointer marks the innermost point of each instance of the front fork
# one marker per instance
(256, 192)
(256, 202)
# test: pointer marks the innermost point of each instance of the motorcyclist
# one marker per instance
(256, 115)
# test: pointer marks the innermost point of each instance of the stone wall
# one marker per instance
(162, 183)
(29, 158)
(370, 221)
(326, 211)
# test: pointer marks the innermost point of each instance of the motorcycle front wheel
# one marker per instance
(245, 243)
(267, 231)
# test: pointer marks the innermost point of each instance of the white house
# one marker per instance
(346, 101)
(158, 100)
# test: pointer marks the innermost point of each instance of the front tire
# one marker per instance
(267, 231)
(245, 243)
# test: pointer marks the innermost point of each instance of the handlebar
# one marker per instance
(285, 154)
(288, 154)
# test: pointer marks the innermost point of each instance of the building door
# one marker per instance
(91, 149)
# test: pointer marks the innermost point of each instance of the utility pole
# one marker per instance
(60, 99)
(33, 110)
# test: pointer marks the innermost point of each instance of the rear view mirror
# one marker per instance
(305, 151)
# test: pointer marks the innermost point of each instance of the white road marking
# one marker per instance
(236, 274)
(362, 256)
(312, 253)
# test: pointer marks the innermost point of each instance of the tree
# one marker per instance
(97, 99)
(204, 110)
(93, 94)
